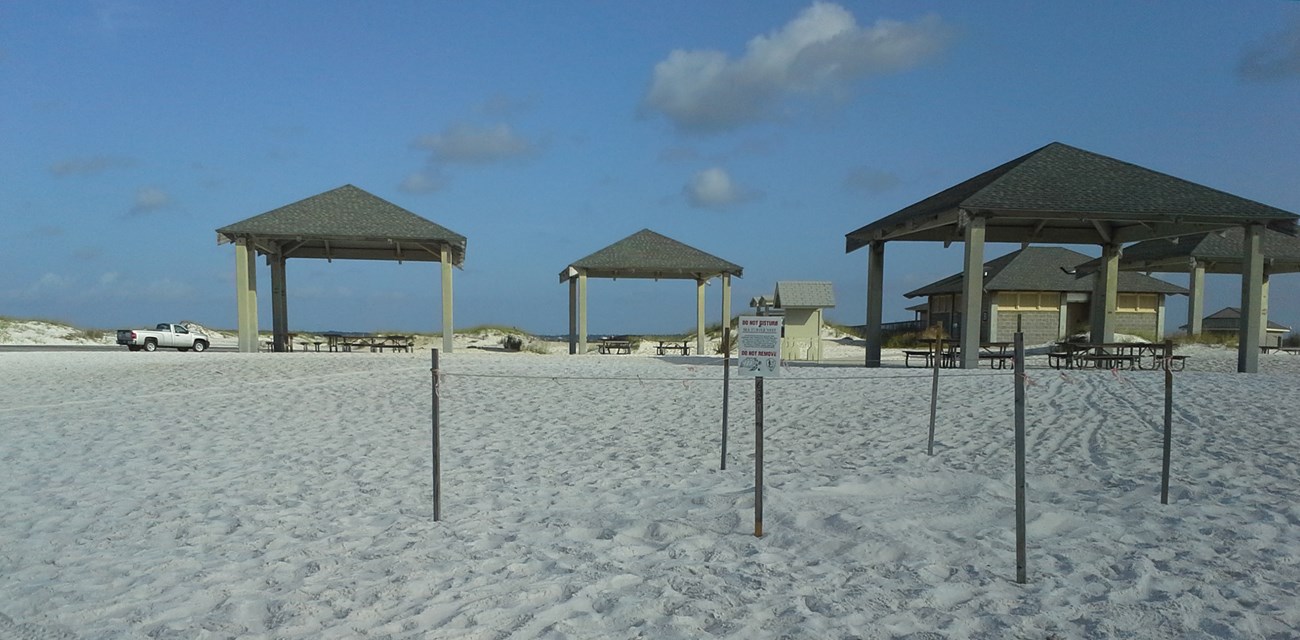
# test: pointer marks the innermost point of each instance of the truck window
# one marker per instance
(180, 328)
(163, 326)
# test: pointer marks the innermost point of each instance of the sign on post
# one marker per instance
(758, 355)
(758, 347)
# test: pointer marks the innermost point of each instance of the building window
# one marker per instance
(1029, 301)
(1136, 302)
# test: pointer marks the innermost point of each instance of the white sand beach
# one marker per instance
(226, 495)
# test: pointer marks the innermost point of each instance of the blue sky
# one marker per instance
(761, 132)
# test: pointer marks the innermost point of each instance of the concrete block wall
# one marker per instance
(1140, 324)
(1039, 326)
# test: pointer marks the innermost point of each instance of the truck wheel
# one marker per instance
(150, 345)
(133, 347)
(200, 346)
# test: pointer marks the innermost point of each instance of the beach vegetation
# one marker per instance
(1210, 338)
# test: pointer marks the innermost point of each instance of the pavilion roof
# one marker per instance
(1065, 195)
(646, 254)
(1219, 251)
(347, 223)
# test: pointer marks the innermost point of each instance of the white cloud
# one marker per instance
(870, 180)
(90, 165)
(149, 199)
(166, 289)
(470, 144)
(821, 50)
(45, 286)
(1276, 58)
(114, 16)
(425, 181)
(713, 188)
(503, 106)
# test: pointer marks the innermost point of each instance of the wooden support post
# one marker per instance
(279, 303)
(972, 292)
(582, 313)
(699, 315)
(1252, 298)
(448, 330)
(1195, 297)
(875, 301)
(573, 315)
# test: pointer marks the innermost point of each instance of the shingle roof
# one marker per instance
(1044, 269)
(1220, 251)
(343, 214)
(646, 254)
(1228, 319)
(1070, 188)
(804, 294)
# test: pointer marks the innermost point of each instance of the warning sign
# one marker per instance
(758, 346)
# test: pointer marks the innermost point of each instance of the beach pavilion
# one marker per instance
(649, 255)
(1218, 252)
(1060, 194)
(346, 223)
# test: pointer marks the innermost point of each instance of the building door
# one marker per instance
(1076, 318)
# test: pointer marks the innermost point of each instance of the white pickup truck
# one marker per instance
(170, 336)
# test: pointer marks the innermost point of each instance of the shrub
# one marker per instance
(1212, 338)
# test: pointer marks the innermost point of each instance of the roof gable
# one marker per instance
(646, 254)
(804, 294)
(346, 213)
(1228, 319)
(1221, 250)
(1044, 269)
(1060, 194)
(1062, 178)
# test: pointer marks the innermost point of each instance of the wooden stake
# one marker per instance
(726, 389)
(1021, 569)
(758, 457)
(437, 453)
(1169, 422)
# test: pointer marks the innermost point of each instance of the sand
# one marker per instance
(226, 495)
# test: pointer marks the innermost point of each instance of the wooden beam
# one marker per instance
(699, 315)
(1252, 293)
(875, 302)
(448, 327)
(972, 297)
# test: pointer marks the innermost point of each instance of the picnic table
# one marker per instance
(1114, 355)
(678, 346)
(396, 343)
(616, 344)
(997, 354)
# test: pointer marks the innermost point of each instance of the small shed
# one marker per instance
(802, 303)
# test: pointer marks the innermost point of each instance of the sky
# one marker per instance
(758, 131)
